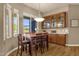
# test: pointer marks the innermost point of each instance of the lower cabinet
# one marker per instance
(57, 38)
(49, 38)
(52, 38)
(61, 39)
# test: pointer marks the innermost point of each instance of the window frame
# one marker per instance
(7, 7)
(16, 11)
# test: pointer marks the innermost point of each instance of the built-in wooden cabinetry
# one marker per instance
(57, 38)
(54, 21)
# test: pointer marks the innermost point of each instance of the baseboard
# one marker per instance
(11, 51)
(72, 44)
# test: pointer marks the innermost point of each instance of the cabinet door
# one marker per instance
(49, 38)
(54, 22)
(61, 22)
(61, 39)
(53, 38)
(46, 24)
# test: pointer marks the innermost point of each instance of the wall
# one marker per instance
(73, 38)
(1, 28)
(9, 44)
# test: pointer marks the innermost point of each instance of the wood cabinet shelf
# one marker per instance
(54, 21)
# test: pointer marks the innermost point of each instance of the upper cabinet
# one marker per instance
(47, 23)
(61, 20)
(54, 21)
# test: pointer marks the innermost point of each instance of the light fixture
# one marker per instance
(39, 18)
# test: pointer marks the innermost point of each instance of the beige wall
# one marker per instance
(9, 44)
(73, 38)
(1, 28)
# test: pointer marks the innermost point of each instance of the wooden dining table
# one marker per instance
(29, 37)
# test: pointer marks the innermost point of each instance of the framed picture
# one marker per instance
(74, 23)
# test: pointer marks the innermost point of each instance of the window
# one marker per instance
(7, 22)
(26, 24)
(15, 22)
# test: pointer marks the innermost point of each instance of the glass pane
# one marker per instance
(48, 24)
(7, 25)
(26, 25)
(60, 23)
(15, 25)
(54, 22)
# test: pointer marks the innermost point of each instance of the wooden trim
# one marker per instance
(72, 44)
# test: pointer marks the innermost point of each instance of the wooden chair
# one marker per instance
(44, 41)
(39, 42)
(34, 45)
(22, 44)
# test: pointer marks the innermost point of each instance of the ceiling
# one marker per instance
(46, 7)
